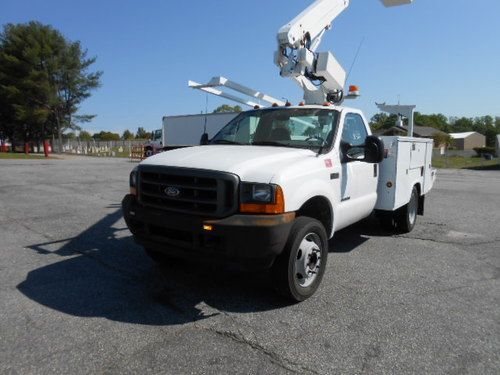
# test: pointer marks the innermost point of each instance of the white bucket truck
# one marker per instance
(275, 184)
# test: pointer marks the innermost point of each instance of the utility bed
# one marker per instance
(407, 162)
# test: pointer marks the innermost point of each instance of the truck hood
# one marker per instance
(250, 163)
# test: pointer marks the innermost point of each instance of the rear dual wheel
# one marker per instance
(299, 269)
(404, 219)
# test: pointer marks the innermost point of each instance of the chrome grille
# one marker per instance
(190, 191)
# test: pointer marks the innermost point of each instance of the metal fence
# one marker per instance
(99, 148)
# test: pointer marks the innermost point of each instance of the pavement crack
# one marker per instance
(45, 236)
(459, 287)
(109, 266)
(275, 358)
(372, 353)
(423, 239)
(489, 242)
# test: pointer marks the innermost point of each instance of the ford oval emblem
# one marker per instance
(172, 192)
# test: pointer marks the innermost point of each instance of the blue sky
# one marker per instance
(442, 55)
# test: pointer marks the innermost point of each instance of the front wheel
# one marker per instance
(298, 271)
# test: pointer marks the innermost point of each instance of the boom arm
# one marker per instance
(319, 74)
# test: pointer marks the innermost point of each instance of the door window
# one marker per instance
(354, 134)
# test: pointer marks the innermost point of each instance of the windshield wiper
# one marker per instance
(271, 143)
(288, 145)
(225, 142)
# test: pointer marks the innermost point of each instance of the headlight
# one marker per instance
(133, 178)
(133, 181)
(261, 198)
(257, 193)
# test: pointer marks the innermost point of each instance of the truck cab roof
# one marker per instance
(314, 106)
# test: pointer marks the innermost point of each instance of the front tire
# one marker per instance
(299, 269)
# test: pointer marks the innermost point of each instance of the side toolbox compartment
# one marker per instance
(407, 163)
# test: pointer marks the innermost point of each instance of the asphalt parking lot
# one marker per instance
(78, 296)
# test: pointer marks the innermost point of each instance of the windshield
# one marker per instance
(310, 128)
(157, 135)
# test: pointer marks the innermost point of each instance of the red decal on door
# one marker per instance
(328, 163)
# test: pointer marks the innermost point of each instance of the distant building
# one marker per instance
(468, 140)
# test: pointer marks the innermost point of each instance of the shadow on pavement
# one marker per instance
(103, 273)
(485, 168)
(348, 239)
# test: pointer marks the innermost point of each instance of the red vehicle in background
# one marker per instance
(5, 145)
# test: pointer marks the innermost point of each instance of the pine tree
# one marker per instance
(44, 79)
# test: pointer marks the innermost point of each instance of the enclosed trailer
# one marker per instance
(187, 130)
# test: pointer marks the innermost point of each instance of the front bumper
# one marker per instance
(247, 241)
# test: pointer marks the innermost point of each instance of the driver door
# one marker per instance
(358, 178)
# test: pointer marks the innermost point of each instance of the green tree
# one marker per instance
(228, 108)
(481, 124)
(442, 139)
(437, 121)
(69, 136)
(142, 134)
(24, 86)
(487, 126)
(128, 135)
(383, 121)
(491, 135)
(73, 84)
(85, 136)
(486, 121)
(462, 124)
(44, 79)
(106, 136)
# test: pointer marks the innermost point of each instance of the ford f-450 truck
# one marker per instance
(272, 187)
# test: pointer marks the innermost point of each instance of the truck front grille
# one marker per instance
(189, 191)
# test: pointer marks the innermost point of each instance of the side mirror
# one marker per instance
(344, 151)
(374, 150)
(204, 139)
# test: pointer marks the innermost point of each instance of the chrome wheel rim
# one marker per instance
(308, 260)
(412, 210)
